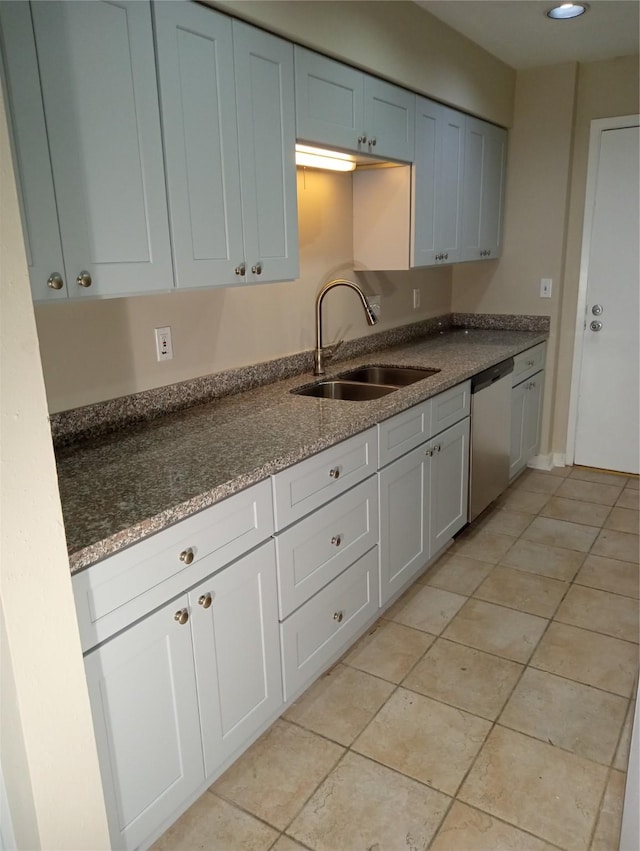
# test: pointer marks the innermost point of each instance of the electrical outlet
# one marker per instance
(375, 305)
(545, 287)
(416, 299)
(164, 347)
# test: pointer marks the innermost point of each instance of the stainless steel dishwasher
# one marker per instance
(490, 435)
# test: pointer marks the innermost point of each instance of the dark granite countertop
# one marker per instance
(121, 487)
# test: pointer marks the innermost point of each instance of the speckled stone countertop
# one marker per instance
(121, 487)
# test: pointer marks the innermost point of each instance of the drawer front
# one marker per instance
(527, 363)
(319, 547)
(117, 591)
(308, 485)
(324, 627)
(450, 407)
(403, 432)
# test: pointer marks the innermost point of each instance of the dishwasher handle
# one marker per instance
(489, 376)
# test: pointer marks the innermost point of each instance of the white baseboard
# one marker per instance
(547, 462)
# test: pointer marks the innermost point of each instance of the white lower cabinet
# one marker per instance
(423, 495)
(526, 414)
(178, 693)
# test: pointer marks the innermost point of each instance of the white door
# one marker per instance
(607, 422)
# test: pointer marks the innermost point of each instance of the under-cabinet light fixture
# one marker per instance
(566, 11)
(321, 158)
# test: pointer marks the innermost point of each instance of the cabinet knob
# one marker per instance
(437, 448)
(362, 139)
(84, 279)
(372, 141)
(337, 616)
(428, 452)
(596, 325)
(335, 472)
(446, 256)
(597, 309)
(187, 555)
(336, 540)
(257, 269)
(182, 616)
(55, 281)
(241, 269)
(205, 601)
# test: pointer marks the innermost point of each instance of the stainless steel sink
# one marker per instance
(395, 376)
(350, 391)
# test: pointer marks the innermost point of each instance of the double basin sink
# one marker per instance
(365, 383)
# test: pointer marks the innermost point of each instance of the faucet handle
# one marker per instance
(330, 351)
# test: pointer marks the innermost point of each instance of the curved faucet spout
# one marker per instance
(320, 353)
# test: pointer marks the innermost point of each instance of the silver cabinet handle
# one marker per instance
(257, 269)
(337, 616)
(84, 279)
(362, 139)
(335, 472)
(205, 601)
(55, 281)
(336, 540)
(597, 310)
(372, 141)
(241, 269)
(182, 616)
(187, 555)
(596, 325)
(428, 452)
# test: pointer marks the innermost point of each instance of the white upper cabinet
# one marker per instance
(341, 107)
(436, 235)
(226, 92)
(197, 96)
(483, 197)
(266, 141)
(32, 164)
(97, 72)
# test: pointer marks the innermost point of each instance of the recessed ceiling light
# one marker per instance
(566, 11)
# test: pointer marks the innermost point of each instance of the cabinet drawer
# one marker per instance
(450, 407)
(318, 548)
(113, 593)
(528, 362)
(309, 484)
(405, 431)
(318, 632)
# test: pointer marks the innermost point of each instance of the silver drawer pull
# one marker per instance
(205, 600)
(187, 555)
(336, 540)
(84, 279)
(334, 472)
(257, 269)
(429, 452)
(241, 269)
(337, 616)
(182, 616)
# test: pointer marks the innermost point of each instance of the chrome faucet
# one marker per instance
(320, 352)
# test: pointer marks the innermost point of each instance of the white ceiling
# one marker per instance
(519, 33)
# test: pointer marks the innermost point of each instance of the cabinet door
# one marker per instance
(237, 653)
(197, 95)
(483, 199)
(329, 101)
(266, 140)
(532, 416)
(448, 485)
(437, 191)
(97, 69)
(142, 689)
(389, 118)
(517, 459)
(404, 521)
(31, 152)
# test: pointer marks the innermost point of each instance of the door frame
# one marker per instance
(598, 126)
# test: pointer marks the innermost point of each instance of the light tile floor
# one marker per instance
(490, 708)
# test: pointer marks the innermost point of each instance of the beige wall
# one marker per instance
(47, 746)
(104, 349)
(544, 209)
(538, 167)
(396, 40)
